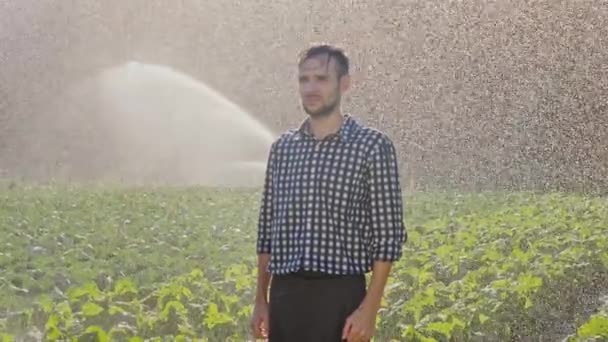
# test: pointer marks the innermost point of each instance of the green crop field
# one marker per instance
(178, 264)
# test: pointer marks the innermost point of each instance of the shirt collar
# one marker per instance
(344, 133)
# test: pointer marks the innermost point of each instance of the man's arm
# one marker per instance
(377, 283)
(388, 236)
(259, 324)
(263, 246)
(386, 208)
(263, 281)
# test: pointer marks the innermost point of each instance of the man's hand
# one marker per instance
(360, 325)
(259, 321)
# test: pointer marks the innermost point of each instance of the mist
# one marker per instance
(477, 95)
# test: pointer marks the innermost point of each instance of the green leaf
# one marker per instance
(113, 310)
(186, 329)
(213, 317)
(7, 338)
(101, 335)
(483, 318)
(444, 251)
(492, 255)
(604, 257)
(181, 338)
(195, 275)
(88, 290)
(420, 301)
(173, 307)
(46, 303)
(443, 328)
(454, 269)
(527, 283)
(125, 286)
(411, 334)
(90, 309)
(52, 330)
(597, 326)
(64, 310)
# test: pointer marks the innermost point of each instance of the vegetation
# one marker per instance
(154, 264)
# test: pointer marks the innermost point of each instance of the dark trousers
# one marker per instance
(311, 307)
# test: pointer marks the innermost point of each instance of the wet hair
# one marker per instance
(331, 52)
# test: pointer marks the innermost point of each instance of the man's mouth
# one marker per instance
(313, 99)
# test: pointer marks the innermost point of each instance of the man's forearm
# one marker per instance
(263, 279)
(375, 290)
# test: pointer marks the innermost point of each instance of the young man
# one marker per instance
(331, 212)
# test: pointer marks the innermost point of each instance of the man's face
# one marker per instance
(320, 89)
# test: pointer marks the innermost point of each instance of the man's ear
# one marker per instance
(345, 83)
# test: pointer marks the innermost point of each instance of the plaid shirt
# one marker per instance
(331, 205)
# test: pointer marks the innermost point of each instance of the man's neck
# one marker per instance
(321, 127)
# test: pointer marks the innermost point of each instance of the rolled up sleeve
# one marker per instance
(386, 203)
(263, 245)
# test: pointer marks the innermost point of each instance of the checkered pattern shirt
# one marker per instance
(331, 205)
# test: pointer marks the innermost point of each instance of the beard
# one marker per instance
(325, 110)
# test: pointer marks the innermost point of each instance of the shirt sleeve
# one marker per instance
(265, 213)
(386, 203)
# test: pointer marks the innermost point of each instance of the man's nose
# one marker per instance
(309, 87)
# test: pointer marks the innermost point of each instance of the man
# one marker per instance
(331, 212)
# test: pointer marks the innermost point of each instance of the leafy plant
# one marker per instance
(179, 264)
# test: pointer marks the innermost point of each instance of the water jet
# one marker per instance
(170, 127)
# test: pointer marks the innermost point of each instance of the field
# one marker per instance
(177, 264)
